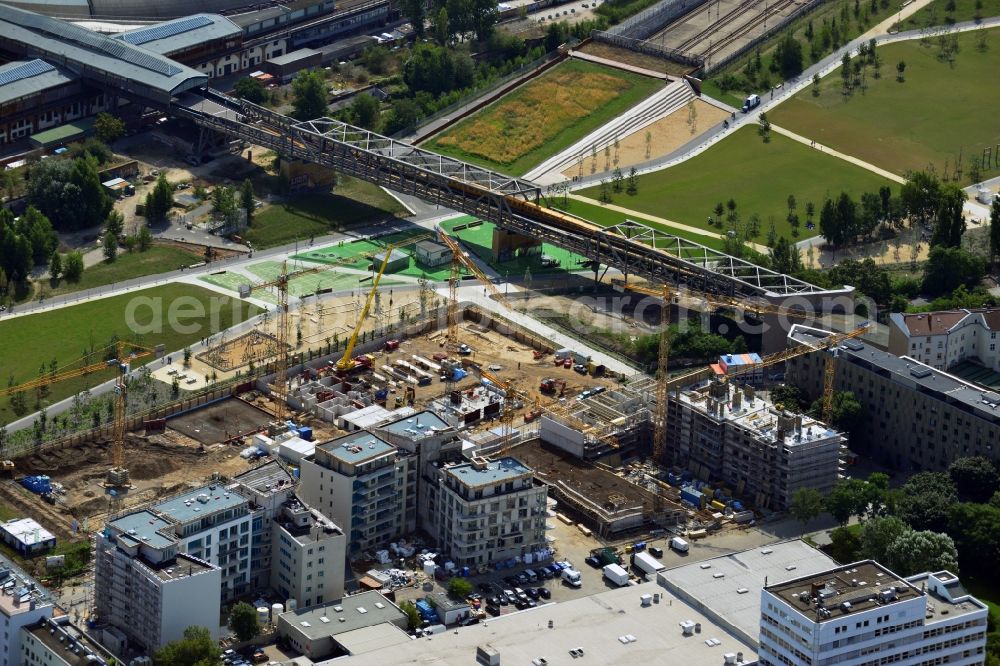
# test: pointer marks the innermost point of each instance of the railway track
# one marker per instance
(712, 28)
(750, 25)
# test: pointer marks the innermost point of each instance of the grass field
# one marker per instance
(544, 116)
(67, 334)
(232, 281)
(758, 176)
(355, 254)
(479, 239)
(910, 125)
(352, 202)
(128, 265)
(310, 284)
(937, 13)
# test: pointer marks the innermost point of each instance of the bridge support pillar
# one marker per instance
(509, 244)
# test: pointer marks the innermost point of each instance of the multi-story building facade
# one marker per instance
(488, 511)
(57, 642)
(729, 433)
(23, 603)
(915, 417)
(307, 562)
(946, 338)
(364, 484)
(864, 615)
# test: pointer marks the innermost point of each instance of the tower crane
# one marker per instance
(458, 259)
(347, 362)
(123, 354)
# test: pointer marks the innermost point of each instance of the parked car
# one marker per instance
(493, 609)
(532, 592)
(655, 552)
(544, 593)
(593, 562)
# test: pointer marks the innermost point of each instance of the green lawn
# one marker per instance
(758, 176)
(310, 284)
(66, 334)
(310, 215)
(937, 13)
(357, 253)
(544, 116)
(938, 113)
(128, 265)
(479, 239)
(232, 281)
(606, 218)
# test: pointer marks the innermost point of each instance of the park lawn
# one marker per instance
(66, 334)
(758, 176)
(937, 13)
(307, 216)
(909, 125)
(544, 116)
(607, 218)
(128, 265)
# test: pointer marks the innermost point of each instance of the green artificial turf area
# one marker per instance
(478, 238)
(174, 315)
(128, 265)
(308, 216)
(309, 284)
(544, 116)
(758, 176)
(358, 253)
(938, 113)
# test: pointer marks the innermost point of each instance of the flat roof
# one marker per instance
(729, 586)
(910, 373)
(494, 471)
(182, 33)
(63, 133)
(368, 417)
(21, 78)
(70, 643)
(844, 590)
(269, 477)
(357, 447)
(200, 501)
(144, 527)
(417, 426)
(16, 583)
(602, 625)
(375, 637)
(294, 56)
(27, 531)
(92, 51)
(358, 610)
(946, 596)
(181, 566)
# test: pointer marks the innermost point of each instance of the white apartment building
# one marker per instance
(864, 615)
(23, 603)
(488, 511)
(948, 337)
(364, 484)
(729, 433)
(307, 556)
(57, 642)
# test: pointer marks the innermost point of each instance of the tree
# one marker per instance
(243, 621)
(995, 229)
(159, 200)
(925, 501)
(441, 32)
(849, 497)
(247, 200)
(459, 588)
(365, 111)
(915, 552)
(110, 246)
(73, 267)
(878, 533)
(949, 267)
(144, 240)
(413, 10)
(251, 90)
(93, 204)
(950, 222)
(844, 545)
(107, 127)
(187, 356)
(787, 396)
(807, 503)
(309, 95)
(921, 195)
(788, 55)
(633, 182)
(785, 257)
(196, 648)
(115, 223)
(413, 619)
(764, 128)
(483, 18)
(976, 531)
(55, 266)
(975, 478)
(847, 414)
(36, 229)
(900, 68)
(404, 114)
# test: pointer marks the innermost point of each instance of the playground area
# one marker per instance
(478, 238)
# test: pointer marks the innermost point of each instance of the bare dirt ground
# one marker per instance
(649, 62)
(666, 135)
(221, 421)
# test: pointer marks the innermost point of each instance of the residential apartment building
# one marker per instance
(57, 642)
(364, 484)
(308, 557)
(488, 511)
(917, 418)
(23, 603)
(946, 338)
(267, 488)
(863, 614)
(725, 432)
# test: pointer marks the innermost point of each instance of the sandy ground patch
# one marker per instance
(666, 135)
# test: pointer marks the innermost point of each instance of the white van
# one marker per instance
(679, 544)
(751, 102)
